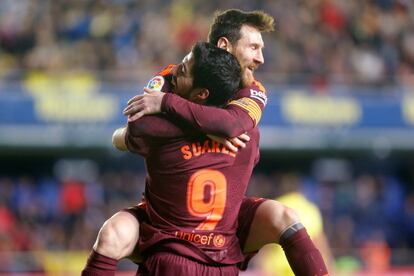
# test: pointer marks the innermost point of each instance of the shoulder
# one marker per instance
(160, 81)
(308, 211)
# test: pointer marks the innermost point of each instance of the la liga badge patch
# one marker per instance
(156, 83)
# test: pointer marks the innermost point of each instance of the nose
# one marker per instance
(259, 57)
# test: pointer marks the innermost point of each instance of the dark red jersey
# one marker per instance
(194, 188)
(241, 114)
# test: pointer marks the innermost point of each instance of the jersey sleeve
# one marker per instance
(151, 129)
(141, 132)
(158, 126)
(240, 115)
(136, 145)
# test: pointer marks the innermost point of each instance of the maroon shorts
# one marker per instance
(246, 215)
(166, 263)
(247, 212)
(138, 211)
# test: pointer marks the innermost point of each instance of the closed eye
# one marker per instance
(256, 46)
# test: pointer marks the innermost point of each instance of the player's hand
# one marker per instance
(147, 103)
(232, 144)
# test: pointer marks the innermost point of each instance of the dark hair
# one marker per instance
(228, 24)
(217, 70)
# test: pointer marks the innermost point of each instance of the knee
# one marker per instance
(289, 216)
(282, 216)
(117, 237)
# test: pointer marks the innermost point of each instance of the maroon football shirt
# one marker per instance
(241, 114)
(195, 185)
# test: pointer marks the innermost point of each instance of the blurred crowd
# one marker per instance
(368, 213)
(317, 42)
(62, 211)
(362, 213)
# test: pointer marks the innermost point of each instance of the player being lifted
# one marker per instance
(239, 33)
(195, 185)
(210, 76)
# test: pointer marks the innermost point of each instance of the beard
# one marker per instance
(247, 77)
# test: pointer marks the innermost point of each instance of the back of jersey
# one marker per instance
(194, 187)
(194, 190)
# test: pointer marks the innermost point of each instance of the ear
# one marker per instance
(224, 43)
(199, 95)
